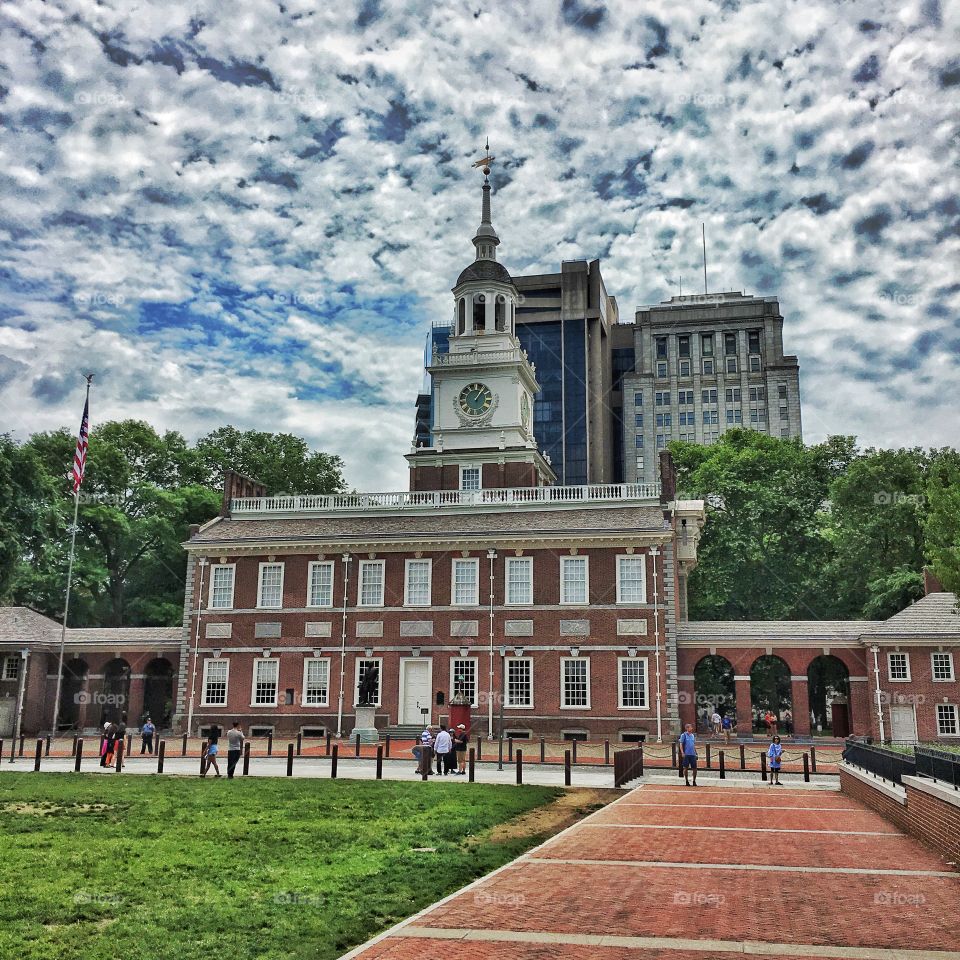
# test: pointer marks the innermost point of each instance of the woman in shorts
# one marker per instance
(211, 759)
(775, 754)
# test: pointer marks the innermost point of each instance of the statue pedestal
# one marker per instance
(364, 724)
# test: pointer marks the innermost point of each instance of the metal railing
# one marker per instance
(438, 499)
(938, 765)
(882, 763)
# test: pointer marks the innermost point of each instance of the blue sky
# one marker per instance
(251, 214)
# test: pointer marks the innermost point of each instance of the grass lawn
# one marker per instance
(145, 868)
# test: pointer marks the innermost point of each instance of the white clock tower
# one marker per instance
(484, 387)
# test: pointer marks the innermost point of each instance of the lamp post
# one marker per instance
(875, 650)
(196, 647)
(347, 559)
(491, 556)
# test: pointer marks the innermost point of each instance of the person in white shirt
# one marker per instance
(444, 750)
(717, 723)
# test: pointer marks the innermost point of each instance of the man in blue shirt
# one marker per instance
(688, 755)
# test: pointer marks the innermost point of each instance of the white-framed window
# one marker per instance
(707, 366)
(942, 667)
(469, 478)
(661, 368)
(360, 671)
(465, 583)
(519, 682)
(947, 725)
(639, 462)
(316, 682)
(416, 589)
(519, 581)
(631, 579)
(898, 666)
(574, 683)
(754, 364)
(220, 596)
(662, 398)
(266, 675)
(684, 368)
(685, 398)
(632, 683)
(731, 364)
(370, 585)
(320, 584)
(216, 675)
(463, 678)
(270, 593)
(638, 420)
(574, 580)
(709, 396)
(638, 398)
(11, 668)
(639, 441)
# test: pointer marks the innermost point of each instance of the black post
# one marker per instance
(543, 750)
(723, 768)
(356, 752)
(673, 754)
(129, 743)
(606, 751)
(708, 757)
(300, 743)
(574, 751)
(379, 761)
(246, 758)
(329, 736)
(519, 766)
(183, 748)
(78, 755)
(806, 769)
(120, 755)
(203, 756)
(289, 759)
(73, 749)
(479, 741)
(270, 744)
(813, 759)
(763, 767)
(471, 759)
(641, 759)
(426, 762)
(333, 762)
(23, 737)
(678, 760)
(39, 754)
(510, 750)
(161, 750)
(743, 757)
(500, 752)
(47, 753)
(387, 745)
(13, 748)
(566, 767)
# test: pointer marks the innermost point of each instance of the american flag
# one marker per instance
(80, 456)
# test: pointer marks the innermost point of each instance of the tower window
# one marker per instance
(479, 312)
(499, 311)
(462, 315)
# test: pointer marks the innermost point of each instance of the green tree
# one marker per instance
(943, 518)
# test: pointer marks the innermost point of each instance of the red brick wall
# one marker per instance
(887, 807)
(427, 477)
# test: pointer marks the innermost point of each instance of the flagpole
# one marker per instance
(66, 604)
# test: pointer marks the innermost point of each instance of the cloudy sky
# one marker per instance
(251, 213)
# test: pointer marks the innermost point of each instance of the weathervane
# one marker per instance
(485, 162)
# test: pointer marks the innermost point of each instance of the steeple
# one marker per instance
(486, 240)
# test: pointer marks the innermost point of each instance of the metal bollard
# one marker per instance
(678, 760)
(387, 745)
(574, 751)
(471, 758)
(813, 759)
(709, 766)
(357, 749)
(806, 769)
(47, 754)
(606, 751)
(510, 750)
(300, 743)
(379, 761)
(543, 750)
(78, 756)
(763, 767)
(119, 755)
(479, 741)
(519, 766)
(161, 752)
(203, 757)
(39, 754)
(246, 758)
(426, 762)
(289, 759)
(743, 757)
(73, 749)
(566, 767)
(270, 744)
(723, 768)
(23, 737)
(129, 744)
(641, 759)
(183, 748)
(673, 755)
(329, 737)
(333, 762)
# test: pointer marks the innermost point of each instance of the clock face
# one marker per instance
(525, 412)
(475, 399)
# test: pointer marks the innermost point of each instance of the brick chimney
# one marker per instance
(237, 485)
(931, 583)
(668, 477)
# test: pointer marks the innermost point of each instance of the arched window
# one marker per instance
(479, 312)
(499, 311)
(462, 315)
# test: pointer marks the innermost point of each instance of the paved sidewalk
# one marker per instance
(674, 873)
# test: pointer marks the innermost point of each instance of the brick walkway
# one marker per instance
(673, 873)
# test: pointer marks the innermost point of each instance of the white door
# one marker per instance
(903, 724)
(416, 691)
(7, 714)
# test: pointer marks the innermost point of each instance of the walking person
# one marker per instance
(424, 752)
(688, 755)
(717, 722)
(146, 733)
(770, 718)
(727, 728)
(774, 755)
(106, 745)
(444, 749)
(460, 749)
(210, 756)
(234, 748)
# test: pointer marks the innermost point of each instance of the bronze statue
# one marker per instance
(367, 688)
